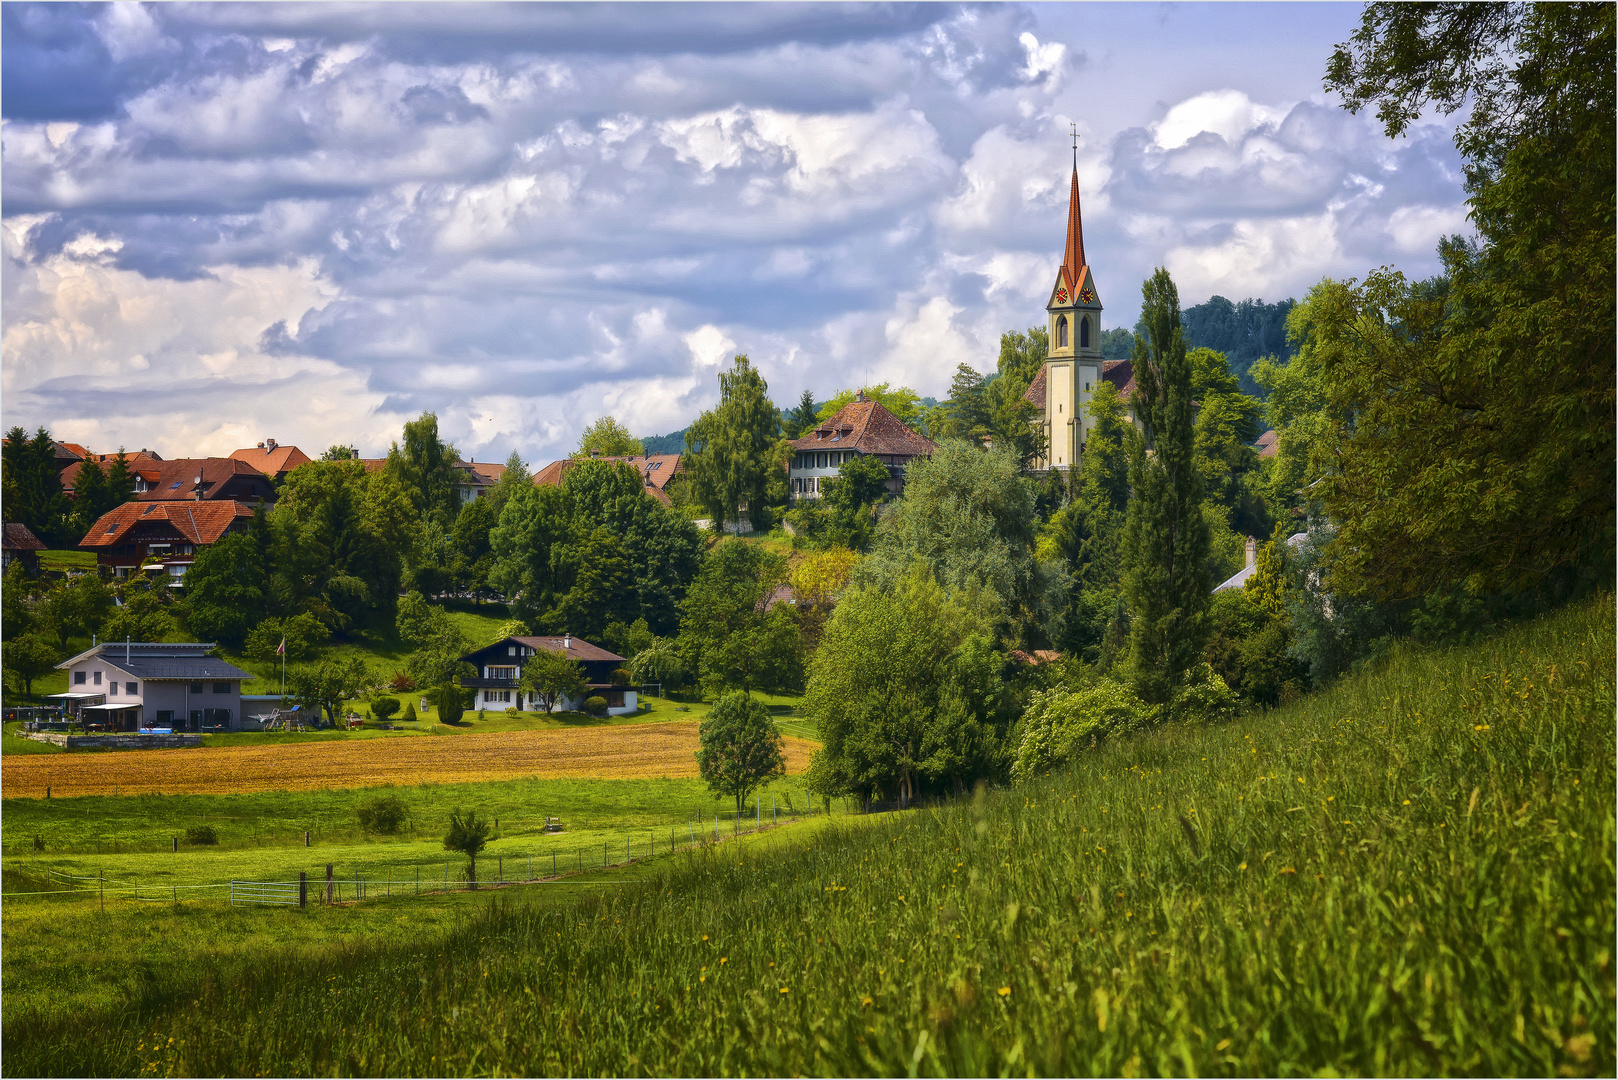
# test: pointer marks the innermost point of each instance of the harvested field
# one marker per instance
(622, 752)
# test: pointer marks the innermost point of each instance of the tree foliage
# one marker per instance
(733, 636)
(550, 677)
(468, 834)
(905, 689)
(424, 466)
(608, 438)
(1165, 535)
(734, 448)
(1474, 415)
(31, 486)
(901, 401)
(327, 685)
(739, 747)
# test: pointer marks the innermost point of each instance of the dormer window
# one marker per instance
(1061, 331)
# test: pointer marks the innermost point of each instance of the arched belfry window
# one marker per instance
(1084, 333)
(1061, 331)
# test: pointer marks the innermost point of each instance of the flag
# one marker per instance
(281, 649)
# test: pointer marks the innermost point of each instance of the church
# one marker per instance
(1073, 366)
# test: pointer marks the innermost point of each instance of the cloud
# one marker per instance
(327, 218)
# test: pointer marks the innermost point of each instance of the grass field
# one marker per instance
(1411, 872)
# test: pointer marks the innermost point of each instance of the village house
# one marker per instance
(500, 673)
(161, 536)
(201, 479)
(22, 545)
(128, 686)
(656, 470)
(272, 459)
(860, 427)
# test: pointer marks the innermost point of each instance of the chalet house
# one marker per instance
(860, 427)
(500, 670)
(656, 470)
(21, 544)
(162, 536)
(272, 459)
(478, 478)
(127, 686)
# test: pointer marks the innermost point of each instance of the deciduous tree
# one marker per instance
(608, 438)
(739, 747)
(550, 677)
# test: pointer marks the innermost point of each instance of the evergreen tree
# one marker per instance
(1165, 536)
(968, 405)
(31, 486)
(801, 419)
(733, 447)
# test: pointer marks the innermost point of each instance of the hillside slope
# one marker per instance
(1411, 872)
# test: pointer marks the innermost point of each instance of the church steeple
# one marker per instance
(1073, 253)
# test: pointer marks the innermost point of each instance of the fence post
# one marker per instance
(530, 866)
(328, 883)
(303, 889)
(176, 843)
(499, 868)
(103, 879)
(553, 864)
(418, 881)
(306, 838)
(603, 855)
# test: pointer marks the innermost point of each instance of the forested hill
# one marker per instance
(1245, 332)
(673, 443)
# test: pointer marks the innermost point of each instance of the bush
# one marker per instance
(451, 704)
(410, 711)
(202, 835)
(511, 710)
(401, 682)
(596, 706)
(1059, 723)
(1205, 699)
(620, 677)
(384, 815)
(384, 707)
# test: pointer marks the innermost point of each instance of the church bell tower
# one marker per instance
(1073, 363)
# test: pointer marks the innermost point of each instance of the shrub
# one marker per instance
(482, 715)
(384, 707)
(511, 710)
(1205, 698)
(596, 706)
(201, 834)
(451, 704)
(1059, 723)
(410, 711)
(620, 677)
(383, 815)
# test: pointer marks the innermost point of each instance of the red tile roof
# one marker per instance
(19, 537)
(273, 460)
(1036, 390)
(140, 459)
(178, 479)
(201, 523)
(865, 426)
(1121, 373)
(656, 470)
(1267, 444)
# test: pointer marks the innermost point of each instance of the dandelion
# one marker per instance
(1407, 802)
(722, 959)
(1243, 866)
(1004, 991)
(865, 1001)
(783, 989)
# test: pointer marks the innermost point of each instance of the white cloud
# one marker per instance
(710, 346)
(1419, 228)
(1226, 113)
(1042, 59)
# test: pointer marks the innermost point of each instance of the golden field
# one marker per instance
(631, 751)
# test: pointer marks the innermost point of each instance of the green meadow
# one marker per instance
(1409, 872)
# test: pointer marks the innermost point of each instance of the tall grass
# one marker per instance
(1409, 873)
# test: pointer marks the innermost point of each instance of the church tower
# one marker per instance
(1073, 364)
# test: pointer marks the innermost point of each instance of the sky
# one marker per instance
(312, 222)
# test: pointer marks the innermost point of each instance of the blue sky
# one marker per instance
(314, 221)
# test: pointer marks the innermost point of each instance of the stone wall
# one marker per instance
(114, 742)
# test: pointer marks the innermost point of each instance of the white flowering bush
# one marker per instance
(1059, 723)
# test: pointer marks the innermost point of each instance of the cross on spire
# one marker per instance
(1074, 132)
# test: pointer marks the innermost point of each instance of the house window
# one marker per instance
(820, 461)
(97, 679)
(165, 718)
(1084, 333)
(1061, 331)
(79, 677)
(132, 689)
(196, 688)
(615, 699)
(221, 688)
(511, 650)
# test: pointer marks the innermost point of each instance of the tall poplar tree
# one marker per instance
(1165, 537)
(733, 445)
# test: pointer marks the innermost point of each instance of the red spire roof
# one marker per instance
(1073, 253)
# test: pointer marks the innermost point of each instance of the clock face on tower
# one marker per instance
(1061, 294)
(1088, 296)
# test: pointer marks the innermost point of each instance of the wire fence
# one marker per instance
(328, 885)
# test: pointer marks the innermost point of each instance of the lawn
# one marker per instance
(1410, 872)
